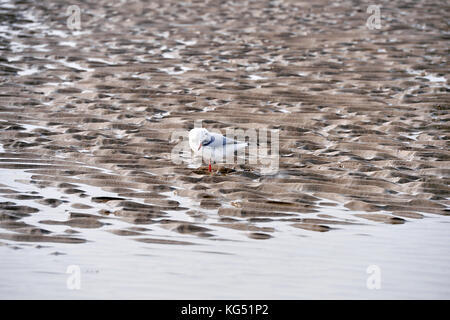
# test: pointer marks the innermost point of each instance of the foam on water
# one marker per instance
(28, 72)
(74, 65)
(256, 77)
(435, 79)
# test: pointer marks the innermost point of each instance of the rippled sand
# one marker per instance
(86, 120)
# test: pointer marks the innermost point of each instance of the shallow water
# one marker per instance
(413, 259)
(294, 264)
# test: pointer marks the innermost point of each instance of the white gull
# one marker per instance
(214, 145)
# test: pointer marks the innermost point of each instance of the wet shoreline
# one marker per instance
(86, 120)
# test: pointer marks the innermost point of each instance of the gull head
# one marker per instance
(198, 137)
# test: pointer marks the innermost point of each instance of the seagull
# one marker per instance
(212, 142)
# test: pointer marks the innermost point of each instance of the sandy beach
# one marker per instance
(87, 178)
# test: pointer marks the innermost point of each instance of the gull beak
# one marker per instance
(199, 146)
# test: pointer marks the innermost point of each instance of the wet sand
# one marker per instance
(86, 120)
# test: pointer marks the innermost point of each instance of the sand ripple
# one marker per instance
(86, 119)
